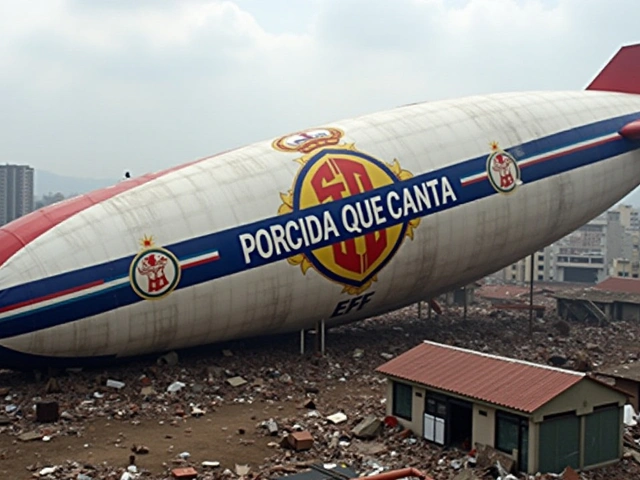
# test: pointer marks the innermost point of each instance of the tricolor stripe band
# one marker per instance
(550, 155)
(93, 288)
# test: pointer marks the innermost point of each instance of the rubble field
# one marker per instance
(260, 409)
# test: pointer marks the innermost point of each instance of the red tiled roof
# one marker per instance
(502, 292)
(501, 381)
(621, 285)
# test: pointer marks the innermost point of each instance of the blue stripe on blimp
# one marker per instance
(232, 258)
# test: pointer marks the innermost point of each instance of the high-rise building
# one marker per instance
(520, 272)
(16, 192)
(607, 245)
(582, 256)
(629, 217)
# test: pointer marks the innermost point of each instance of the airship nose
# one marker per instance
(10, 243)
(22, 231)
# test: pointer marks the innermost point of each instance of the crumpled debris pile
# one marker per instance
(341, 401)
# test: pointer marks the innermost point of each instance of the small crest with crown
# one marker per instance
(503, 170)
(154, 272)
(309, 140)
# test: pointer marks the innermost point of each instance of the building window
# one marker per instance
(506, 432)
(402, 400)
(512, 433)
(436, 406)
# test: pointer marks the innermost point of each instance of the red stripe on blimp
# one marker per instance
(201, 262)
(570, 151)
(44, 298)
(24, 230)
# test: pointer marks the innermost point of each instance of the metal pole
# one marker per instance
(322, 336)
(302, 342)
(531, 296)
(464, 290)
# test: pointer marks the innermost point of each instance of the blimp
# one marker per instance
(330, 224)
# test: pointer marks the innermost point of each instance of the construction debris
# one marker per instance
(330, 406)
(369, 427)
(300, 441)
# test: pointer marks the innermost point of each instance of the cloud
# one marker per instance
(93, 88)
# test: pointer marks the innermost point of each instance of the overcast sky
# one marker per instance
(96, 87)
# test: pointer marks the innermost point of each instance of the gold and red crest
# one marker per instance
(331, 171)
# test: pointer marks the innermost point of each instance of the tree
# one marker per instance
(49, 199)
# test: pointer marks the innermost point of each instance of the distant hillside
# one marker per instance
(48, 182)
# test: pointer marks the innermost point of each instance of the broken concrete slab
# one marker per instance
(372, 449)
(30, 436)
(147, 391)
(236, 381)
(488, 456)
(337, 418)
(369, 427)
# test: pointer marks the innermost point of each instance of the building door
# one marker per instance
(602, 435)
(459, 424)
(512, 434)
(434, 429)
(559, 443)
(434, 419)
(448, 421)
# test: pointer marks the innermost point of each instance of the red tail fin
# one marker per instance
(622, 73)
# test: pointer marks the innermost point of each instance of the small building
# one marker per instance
(461, 296)
(545, 418)
(501, 294)
(626, 378)
(612, 299)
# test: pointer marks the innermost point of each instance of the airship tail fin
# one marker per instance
(621, 74)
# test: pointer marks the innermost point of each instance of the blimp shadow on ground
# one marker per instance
(327, 225)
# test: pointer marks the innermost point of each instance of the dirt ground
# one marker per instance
(228, 433)
(101, 431)
(211, 437)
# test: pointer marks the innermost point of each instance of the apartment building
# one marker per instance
(16, 192)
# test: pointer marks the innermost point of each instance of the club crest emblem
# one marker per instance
(331, 171)
(154, 272)
(502, 170)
